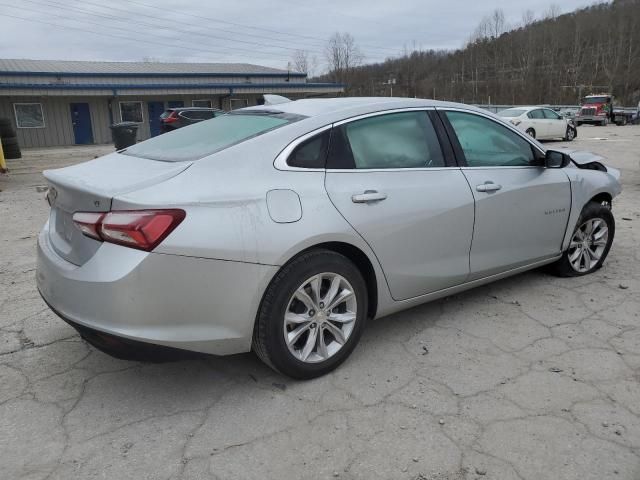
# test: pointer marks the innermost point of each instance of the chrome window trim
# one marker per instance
(280, 163)
(502, 166)
(374, 170)
(379, 113)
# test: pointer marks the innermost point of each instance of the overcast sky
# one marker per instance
(251, 31)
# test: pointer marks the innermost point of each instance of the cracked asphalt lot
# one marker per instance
(531, 378)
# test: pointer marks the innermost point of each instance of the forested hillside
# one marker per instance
(552, 60)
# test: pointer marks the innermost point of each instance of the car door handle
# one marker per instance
(368, 196)
(488, 187)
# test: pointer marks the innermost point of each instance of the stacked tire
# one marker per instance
(10, 145)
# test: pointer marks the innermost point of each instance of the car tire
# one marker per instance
(573, 263)
(318, 341)
(531, 132)
(570, 134)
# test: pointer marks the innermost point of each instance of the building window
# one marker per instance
(201, 103)
(131, 112)
(239, 103)
(29, 115)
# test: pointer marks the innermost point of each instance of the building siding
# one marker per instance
(103, 85)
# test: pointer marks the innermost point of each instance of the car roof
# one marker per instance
(528, 108)
(344, 107)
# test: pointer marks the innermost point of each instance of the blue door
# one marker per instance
(81, 121)
(155, 110)
(175, 104)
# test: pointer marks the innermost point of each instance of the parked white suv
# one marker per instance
(541, 123)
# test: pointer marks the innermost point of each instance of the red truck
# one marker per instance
(595, 109)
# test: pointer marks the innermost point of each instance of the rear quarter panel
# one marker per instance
(224, 196)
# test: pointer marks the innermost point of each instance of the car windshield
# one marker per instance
(588, 100)
(511, 112)
(204, 138)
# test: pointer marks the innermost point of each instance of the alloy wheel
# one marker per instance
(587, 245)
(320, 317)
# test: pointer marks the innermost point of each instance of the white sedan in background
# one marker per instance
(540, 123)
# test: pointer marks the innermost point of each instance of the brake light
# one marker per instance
(141, 229)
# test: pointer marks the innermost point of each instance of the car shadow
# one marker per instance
(398, 327)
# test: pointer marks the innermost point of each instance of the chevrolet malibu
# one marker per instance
(284, 229)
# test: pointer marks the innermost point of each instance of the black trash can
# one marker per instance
(124, 134)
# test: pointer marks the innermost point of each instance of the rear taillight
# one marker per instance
(141, 229)
(88, 223)
(171, 118)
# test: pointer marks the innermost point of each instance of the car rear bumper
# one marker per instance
(188, 303)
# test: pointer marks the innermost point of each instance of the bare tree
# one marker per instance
(342, 55)
(553, 12)
(528, 17)
(497, 23)
(300, 61)
(550, 58)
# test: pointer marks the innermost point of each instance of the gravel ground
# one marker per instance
(532, 377)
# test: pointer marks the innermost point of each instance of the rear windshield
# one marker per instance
(165, 114)
(204, 138)
(511, 112)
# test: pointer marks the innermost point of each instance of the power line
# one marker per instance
(323, 40)
(129, 31)
(162, 27)
(107, 34)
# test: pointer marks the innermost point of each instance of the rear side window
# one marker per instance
(395, 140)
(204, 138)
(486, 143)
(311, 153)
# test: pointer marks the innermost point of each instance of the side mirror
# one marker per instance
(556, 159)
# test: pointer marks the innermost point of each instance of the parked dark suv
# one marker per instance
(174, 118)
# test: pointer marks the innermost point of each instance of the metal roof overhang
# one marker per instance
(65, 89)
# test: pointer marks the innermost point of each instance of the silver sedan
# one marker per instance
(283, 229)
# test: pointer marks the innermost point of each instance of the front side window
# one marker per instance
(29, 115)
(395, 140)
(205, 138)
(201, 103)
(131, 112)
(486, 143)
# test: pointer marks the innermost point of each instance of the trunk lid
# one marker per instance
(90, 187)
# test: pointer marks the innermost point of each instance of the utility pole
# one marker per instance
(391, 82)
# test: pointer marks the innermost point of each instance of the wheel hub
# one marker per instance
(588, 244)
(320, 317)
